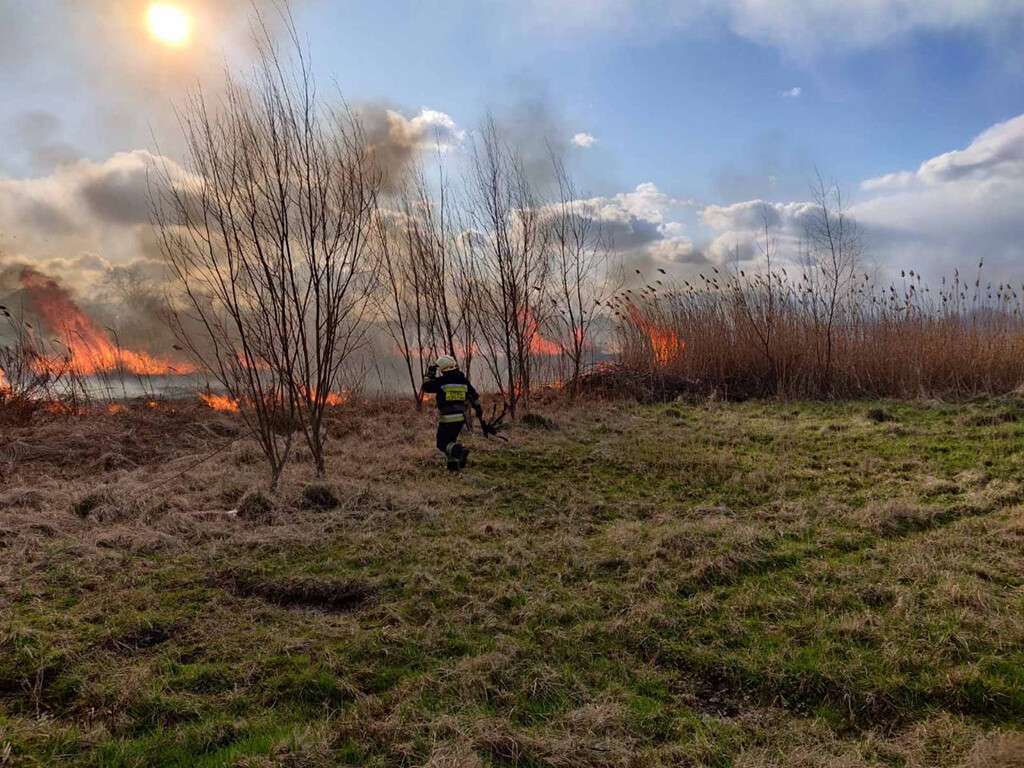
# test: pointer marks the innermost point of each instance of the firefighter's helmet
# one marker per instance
(446, 363)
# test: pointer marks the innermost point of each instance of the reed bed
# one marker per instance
(773, 335)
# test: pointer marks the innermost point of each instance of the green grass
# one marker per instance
(744, 584)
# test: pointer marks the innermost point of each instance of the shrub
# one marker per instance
(536, 421)
(318, 496)
(256, 507)
(92, 501)
(880, 415)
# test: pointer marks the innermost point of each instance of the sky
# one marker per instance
(684, 121)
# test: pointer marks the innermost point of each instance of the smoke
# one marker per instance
(395, 140)
(532, 125)
(101, 54)
(34, 141)
(83, 219)
(126, 300)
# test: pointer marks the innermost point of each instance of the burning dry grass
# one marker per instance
(84, 348)
(752, 585)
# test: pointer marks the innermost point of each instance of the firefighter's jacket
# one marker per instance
(454, 393)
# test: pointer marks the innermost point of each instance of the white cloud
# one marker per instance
(675, 250)
(644, 225)
(814, 25)
(997, 153)
(793, 93)
(955, 209)
(584, 140)
(750, 215)
(736, 227)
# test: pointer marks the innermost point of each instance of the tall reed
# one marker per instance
(755, 335)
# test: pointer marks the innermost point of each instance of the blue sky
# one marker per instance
(701, 111)
(684, 107)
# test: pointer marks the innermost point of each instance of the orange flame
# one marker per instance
(666, 345)
(226, 404)
(89, 350)
(337, 398)
(221, 403)
(61, 408)
(333, 398)
(539, 345)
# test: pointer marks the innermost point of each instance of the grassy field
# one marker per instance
(675, 585)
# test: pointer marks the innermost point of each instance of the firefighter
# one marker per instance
(454, 395)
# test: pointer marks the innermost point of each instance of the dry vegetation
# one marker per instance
(808, 584)
(772, 334)
(726, 585)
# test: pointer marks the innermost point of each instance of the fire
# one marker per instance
(221, 403)
(226, 404)
(666, 345)
(541, 346)
(61, 408)
(4, 386)
(337, 398)
(115, 408)
(538, 344)
(89, 349)
(333, 398)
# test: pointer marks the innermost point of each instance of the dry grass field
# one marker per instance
(757, 584)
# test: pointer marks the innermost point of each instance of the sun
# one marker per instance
(168, 23)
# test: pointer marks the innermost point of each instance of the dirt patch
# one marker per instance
(336, 596)
(536, 421)
(27, 498)
(880, 415)
(141, 638)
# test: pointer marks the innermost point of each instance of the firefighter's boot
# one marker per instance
(453, 454)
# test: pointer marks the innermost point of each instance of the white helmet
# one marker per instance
(446, 363)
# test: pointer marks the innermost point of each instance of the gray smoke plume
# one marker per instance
(395, 140)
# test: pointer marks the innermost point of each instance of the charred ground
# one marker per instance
(717, 584)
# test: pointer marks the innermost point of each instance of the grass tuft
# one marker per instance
(256, 507)
(319, 496)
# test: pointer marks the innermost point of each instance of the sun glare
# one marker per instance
(169, 24)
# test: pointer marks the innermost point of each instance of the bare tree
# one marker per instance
(834, 251)
(758, 298)
(581, 277)
(512, 264)
(267, 233)
(426, 297)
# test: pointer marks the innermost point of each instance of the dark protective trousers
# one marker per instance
(447, 434)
